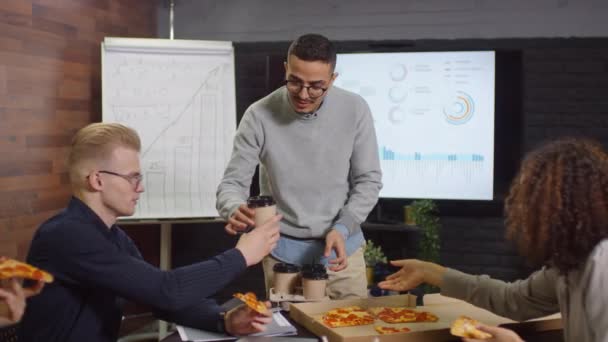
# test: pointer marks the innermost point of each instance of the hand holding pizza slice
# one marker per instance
(250, 318)
(467, 327)
(251, 300)
(11, 268)
(12, 294)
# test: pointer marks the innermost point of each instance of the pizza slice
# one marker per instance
(394, 314)
(464, 326)
(11, 268)
(347, 317)
(425, 316)
(251, 300)
(402, 315)
(384, 330)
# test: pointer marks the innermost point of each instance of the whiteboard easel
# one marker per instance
(179, 95)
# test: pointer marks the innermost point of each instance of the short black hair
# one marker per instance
(314, 47)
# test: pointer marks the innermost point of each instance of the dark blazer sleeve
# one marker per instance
(203, 315)
(90, 258)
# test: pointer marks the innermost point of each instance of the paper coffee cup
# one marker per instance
(264, 207)
(285, 278)
(314, 283)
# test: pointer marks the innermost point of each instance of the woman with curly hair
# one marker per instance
(557, 215)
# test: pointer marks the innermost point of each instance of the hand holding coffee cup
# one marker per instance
(241, 220)
(264, 208)
(259, 242)
(258, 210)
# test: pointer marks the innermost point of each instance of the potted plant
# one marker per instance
(425, 214)
(373, 255)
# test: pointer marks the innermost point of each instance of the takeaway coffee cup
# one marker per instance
(285, 277)
(265, 208)
(314, 281)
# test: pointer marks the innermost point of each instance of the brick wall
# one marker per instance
(49, 88)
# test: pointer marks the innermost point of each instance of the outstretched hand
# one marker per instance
(408, 277)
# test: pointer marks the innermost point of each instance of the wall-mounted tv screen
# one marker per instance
(434, 114)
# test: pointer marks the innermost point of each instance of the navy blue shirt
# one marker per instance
(96, 268)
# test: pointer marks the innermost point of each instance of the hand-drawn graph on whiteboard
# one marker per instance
(180, 97)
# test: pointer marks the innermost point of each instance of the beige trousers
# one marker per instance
(348, 283)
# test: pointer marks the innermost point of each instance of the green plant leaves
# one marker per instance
(425, 214)
(373, 254)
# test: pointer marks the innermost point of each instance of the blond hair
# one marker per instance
(96, 142)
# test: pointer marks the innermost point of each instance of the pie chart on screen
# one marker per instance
(460, 109)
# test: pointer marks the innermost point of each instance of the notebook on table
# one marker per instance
(279, 326)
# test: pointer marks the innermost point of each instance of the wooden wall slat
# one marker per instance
(51, 26)
(83, 23)
(27, 33)
(69, 69)
(3, 78)
(15, 19)
(44, 140)
(11, 167)
(23, 7)
(93, 9)
(26, 182)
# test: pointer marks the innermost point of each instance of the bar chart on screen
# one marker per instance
(435, 174)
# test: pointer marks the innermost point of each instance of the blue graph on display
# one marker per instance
(431, 168)
(388, 154)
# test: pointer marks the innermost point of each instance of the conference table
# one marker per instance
(302, 332)
(547, 329)
(544, 336)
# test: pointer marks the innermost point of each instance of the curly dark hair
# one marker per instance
(557, 208)
(314, 47)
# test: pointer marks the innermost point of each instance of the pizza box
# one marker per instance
(285, 300)
(447, 309)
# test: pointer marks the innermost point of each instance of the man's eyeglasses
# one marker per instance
(295, 87)
(134, 179)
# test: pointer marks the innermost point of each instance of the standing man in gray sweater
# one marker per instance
(318, 156)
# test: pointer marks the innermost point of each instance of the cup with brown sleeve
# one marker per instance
(285, 277)
(264, 207)
(314, 281)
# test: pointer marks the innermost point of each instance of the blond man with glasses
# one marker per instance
(97, 266)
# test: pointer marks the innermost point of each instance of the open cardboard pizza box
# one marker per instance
(447, 309)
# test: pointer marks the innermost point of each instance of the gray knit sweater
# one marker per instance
(321, 169)
(581, 297)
